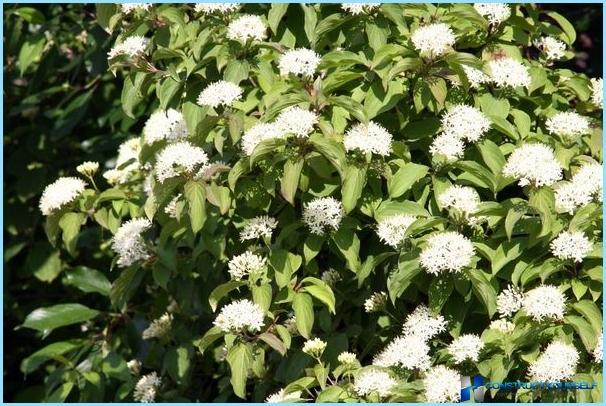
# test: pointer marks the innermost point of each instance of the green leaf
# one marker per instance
(311, 247)
(31, 15)
(405, 178)
(353, 185)
(583, 329)
(304, 313)
(320, 290)
(61, 393)
(134, 91)
(88, 280)
(208, 338)
(348, 244)
(125, 286)
(240, 360)
(492, 156)
(439, 90)
(591, 312)
(262, 296)
(275, 15)
(274, 342)
(46, 319)
(220, 291)
(566, 26)
(31, 52)
(439, 292)
(543, 201)
(168, 91)
(196, 198)
(114, 366)
(290, 179)
(285, 264)
(332, 150)
(264, 148)
(177, 363)
(51, 351)
(70, 223)
(401, 278)
(483, 289)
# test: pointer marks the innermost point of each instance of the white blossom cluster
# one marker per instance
(323, 214)
(509, 301)
(475, 76)
(502, 325)
(282, 397)
(449, 251)
(507, 72)
(158, 328)
(465, 347)
(360, 8)
(220, 8)
(132, 7)
(433, 40)
(330, 277)
(168, 125)
(146, 388)
(126, 162)
(374, 381)
(597, 91)
(598, 351)
(60, 193)
(132, 47)
(557, 363)
(376, 302)
(464, 199)
(314, 347)
(422, 323)
(134, 366)
(347, 358)
(586, 185)
(296, 121)
(571, 245)
(392, 230)
(442, 385)
(569, 125)
(171, 207)
(247, 28)
(245, 264)
(300, 61)
(544, 302)
(258, 227)
(258, 133)
(240, 316)
(409, 352)
(553, 48)
(533, 164)
(447, 146)
(495, 13)
(370, 138)
(128, 242)
(220, 93)
(88, 168)
(181, 158)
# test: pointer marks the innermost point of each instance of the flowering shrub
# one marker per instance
(336, 203)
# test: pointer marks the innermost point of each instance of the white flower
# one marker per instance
(88, 168)
(258, 133)
(588, 181)
(462, 198)
(568, 124)
(370, 138)
(442, 385)
(159, 327)
(557, 363)
(128, 155)
(571, 245)
(282, 397)
(433, 39)
(509, 301)
(330, 277)
(323, 214)
(475, 76)
(374, 381)
(465, 122)
(258, 227)
(466, 346)
(359, 8)
(507, 72)
(296, 121)
(446, 252)
(239, 316)
(132, 46)
(502, 325)
(220, 93)
(347, 358)
(447, 146)
(166, 125)
(146, 388)
(134, 366)
(495, 13)
(314, 347)
(247, 27)
(545, 301)
(533, 164)
(291, 325)
(222, 8)
(553, 49)
(115, 176)
(409, 352)
(423, 324)
(598, 350)
(245, 264)
(597, 91)
(59, 193)
(376, 302)
(179, 158)
(391, 230)
(171, 207)
(300, 61)
(128, 242)
(130, 7)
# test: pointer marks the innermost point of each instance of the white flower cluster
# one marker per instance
(171, 207)
(282, 397)
(323, 214)
(132, 47)
(586, 185)
(571, 245)
(495, 13)
(258, 227)
(300, 61)
(509, 301)
(557, 363)
(391, 230)
(239, 316)
(568, 125)
(159, 327)
(134, 366)
(220, 93)
(247, 27)
(433, 40)
(370, 138)
(465, 347)
(533, 164)
(221, 8)
(296, 121)
(179, 158)
(168, 125)
(409, 352)
(131, 7)
(475, 76)
(507, 72)
(442, 385)
(314, 347)
(598, 351)
(244, 265)
(422, 323)
(374, 381)
(597, 92)
(446, 252)
(126, 162)
(465, 122)
(376, 302)
(347, 358)
(502, 325)
(258, 133)
(146, 388)
(330, 277)
(128, 242)
(545, 301)
(59, 193)
(88, 168)
(553, 48)
(360, 8)
(451, 148)
(465, 199)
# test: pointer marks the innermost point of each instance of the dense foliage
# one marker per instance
(326, 202)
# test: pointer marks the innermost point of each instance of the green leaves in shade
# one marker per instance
(46, 319)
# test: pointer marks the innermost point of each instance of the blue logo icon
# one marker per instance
(476, 389)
